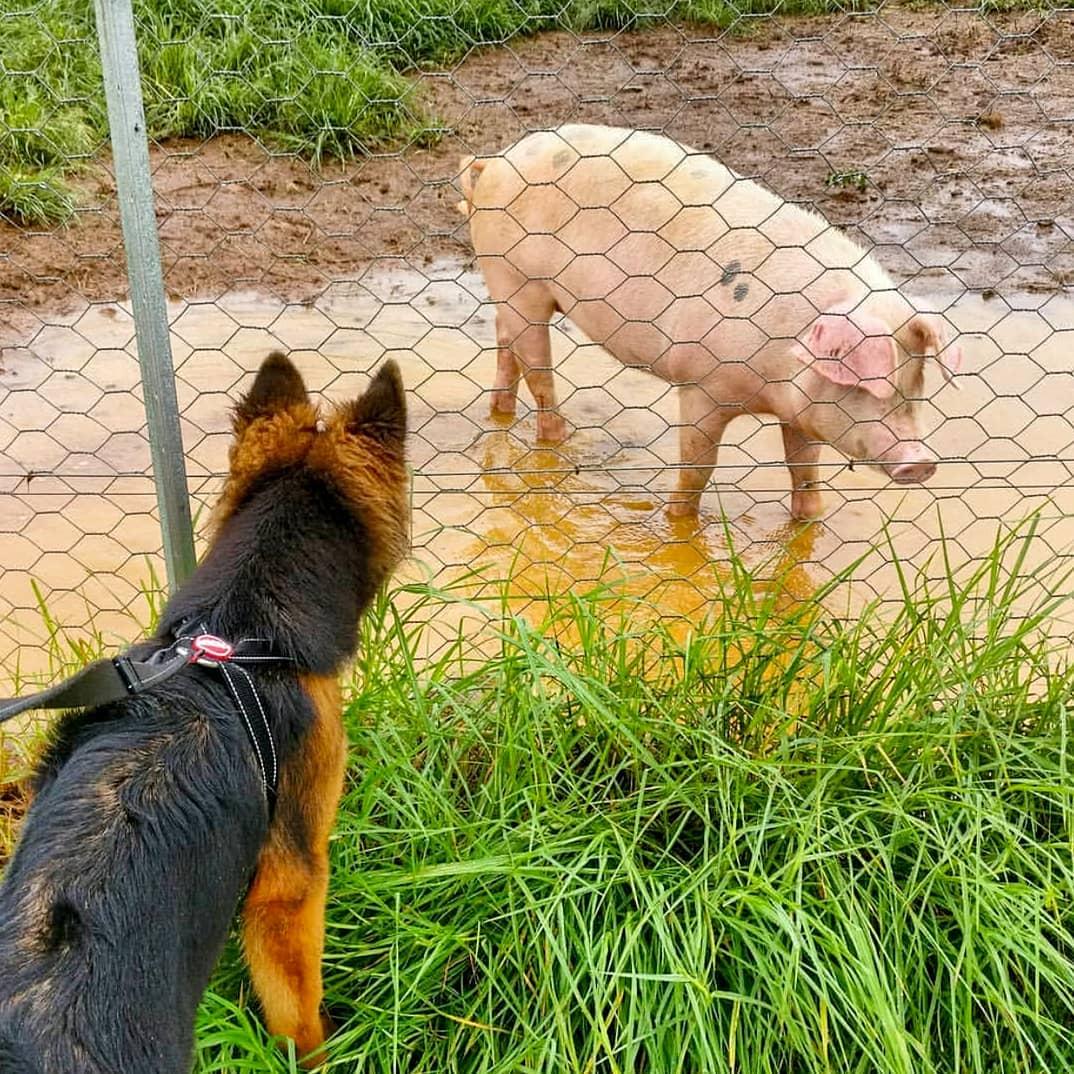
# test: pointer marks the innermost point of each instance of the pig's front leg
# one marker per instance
(526, 341)
(702, 427)
(803, 457)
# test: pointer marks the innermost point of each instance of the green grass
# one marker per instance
(325, 78)
(854, 180)
(779, 841)
(784, 843)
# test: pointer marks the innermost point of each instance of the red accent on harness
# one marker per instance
(211, 649)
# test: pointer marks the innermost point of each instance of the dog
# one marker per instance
(152, 817)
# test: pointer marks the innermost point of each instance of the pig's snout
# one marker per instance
(910, 463)
(912, 473)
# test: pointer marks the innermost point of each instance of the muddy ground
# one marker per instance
(957, 127)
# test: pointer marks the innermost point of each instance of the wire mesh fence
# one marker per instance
(308, 175)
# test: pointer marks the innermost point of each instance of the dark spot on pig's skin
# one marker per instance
(561, 158)
(741, 291)
(731, 270)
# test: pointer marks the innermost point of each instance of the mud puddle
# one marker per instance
(77, 513)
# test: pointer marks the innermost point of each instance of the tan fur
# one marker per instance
(261, 446)
(374, 479)
(371, 476)
(283, 930)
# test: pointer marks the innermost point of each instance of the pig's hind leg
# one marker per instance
(803, 456)
(505, 386)
(702, 425)
(524, 342)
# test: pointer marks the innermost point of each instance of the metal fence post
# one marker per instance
(130, 154)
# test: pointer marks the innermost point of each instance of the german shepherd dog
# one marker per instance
(150, 819)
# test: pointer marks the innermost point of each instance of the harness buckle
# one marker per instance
(208, 650)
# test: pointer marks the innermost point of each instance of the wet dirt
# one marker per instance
(958, 127)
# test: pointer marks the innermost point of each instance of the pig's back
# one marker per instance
(581, 180)
(630, 226)
(582, 173)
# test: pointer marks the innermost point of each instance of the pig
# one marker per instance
(677, 265)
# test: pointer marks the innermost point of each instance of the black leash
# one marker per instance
(120, 677)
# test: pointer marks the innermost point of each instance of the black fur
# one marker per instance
(149, 814)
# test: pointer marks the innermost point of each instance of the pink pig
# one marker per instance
(675, 264)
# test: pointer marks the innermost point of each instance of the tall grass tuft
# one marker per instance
(782, 843)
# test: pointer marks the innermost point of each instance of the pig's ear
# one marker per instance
(925, 335)
(840, 351)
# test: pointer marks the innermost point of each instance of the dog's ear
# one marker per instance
(381, 411)
(278, 385)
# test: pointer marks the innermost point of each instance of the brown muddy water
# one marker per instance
(77, 513)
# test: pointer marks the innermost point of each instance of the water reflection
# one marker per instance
(554, 524)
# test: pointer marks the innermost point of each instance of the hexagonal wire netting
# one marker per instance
(937, 138)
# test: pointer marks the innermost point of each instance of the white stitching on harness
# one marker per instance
(246, 719)
(264, 720)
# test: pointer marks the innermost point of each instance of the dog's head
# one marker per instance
(358, 448)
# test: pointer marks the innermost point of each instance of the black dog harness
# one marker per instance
(119, 677)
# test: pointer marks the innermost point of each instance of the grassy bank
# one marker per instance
(321, 77)
(788, 844)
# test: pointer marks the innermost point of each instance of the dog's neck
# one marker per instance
(290, 565)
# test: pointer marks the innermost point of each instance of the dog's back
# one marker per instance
(144, 833)
(14, 1059)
